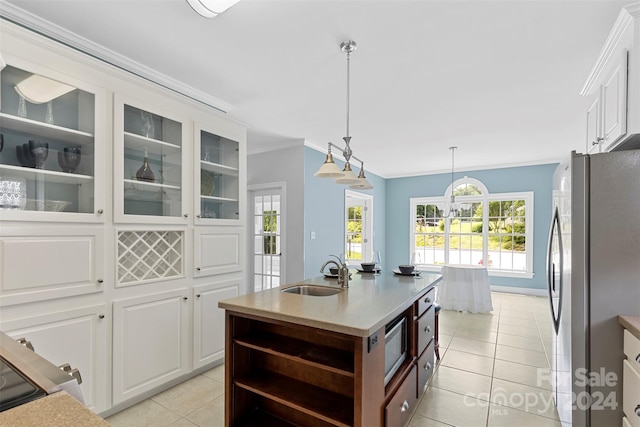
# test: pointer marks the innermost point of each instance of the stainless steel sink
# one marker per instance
(313, 290)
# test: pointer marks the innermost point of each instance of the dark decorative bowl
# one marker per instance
(368, 266)
(69, 159)
(334, 271)
(39, 152)
(406, 269)
(23, 154)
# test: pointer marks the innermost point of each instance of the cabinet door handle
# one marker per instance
(427, 329)
(198, 268)
(100, 211)
(186, 215)
(185, 298)
(427, 300)
(101, 281)
(638, 358)
(427, 366)
(637, 410)
(101, 316)
(404, 407)
(198, 216)
(197, 295)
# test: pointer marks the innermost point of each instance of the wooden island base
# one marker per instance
(281, 373)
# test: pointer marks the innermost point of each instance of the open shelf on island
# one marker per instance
(322, 357)
(332, 408)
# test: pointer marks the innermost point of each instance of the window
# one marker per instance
(358, 227)
(489, 229)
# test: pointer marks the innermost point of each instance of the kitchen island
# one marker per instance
(320, 360)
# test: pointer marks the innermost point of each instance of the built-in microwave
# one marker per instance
(396, 342)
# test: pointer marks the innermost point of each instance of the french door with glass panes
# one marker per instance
(268, 264)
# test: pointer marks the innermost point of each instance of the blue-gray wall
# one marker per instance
(528, 178)
(324, 213)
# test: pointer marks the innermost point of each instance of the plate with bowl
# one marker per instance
(406, 270)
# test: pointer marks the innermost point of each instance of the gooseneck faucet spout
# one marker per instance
(343, 271)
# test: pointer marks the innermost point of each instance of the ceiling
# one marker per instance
(498, 79)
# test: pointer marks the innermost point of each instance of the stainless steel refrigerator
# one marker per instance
(593, 275)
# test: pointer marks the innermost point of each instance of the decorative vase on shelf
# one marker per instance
(148, 127)
(145, 173)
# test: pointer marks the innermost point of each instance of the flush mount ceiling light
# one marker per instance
(39, 90)
(329, 169)
(211, 8)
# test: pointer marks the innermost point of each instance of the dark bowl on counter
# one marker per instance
(368, 266)
(406, 269)
(333, 271)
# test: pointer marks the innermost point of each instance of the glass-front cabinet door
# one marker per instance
(217, 185)
(149, 150)
(49, 148)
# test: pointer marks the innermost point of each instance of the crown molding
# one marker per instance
(625, 19)
(59, 34)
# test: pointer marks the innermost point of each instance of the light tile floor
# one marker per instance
(492, 373)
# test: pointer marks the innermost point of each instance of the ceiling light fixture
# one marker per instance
(452, 208)
(39, 90)
(211, 8)
(329, 169)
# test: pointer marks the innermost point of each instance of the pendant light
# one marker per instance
(451, 208)
(329, 169)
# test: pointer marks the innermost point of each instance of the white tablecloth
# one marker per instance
(465, 288)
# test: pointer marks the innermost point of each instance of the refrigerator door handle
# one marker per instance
(555, 234)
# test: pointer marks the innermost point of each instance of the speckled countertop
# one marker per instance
(361, 309)
(632, 323)
(56, 410)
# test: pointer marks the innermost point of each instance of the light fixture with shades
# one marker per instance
(329, 169)
(452, 208)
(211, 8)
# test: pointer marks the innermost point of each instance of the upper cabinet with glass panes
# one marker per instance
(48, 148)
(217, 186)
(149, 150)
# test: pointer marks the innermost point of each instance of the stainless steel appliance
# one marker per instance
(26, 376)
(593, 275)
(395, 346)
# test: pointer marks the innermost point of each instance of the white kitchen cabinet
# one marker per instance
(612, 88)
(59, 180)
(40, 262)
(218, 250)
(150, 162)
(631, 379)
(607, 113)
(219, 157)
(208, 320)
(139, 247)
(150, 342)
(594, 124)
(77, 337)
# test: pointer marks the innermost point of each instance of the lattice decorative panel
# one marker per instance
(149, 255)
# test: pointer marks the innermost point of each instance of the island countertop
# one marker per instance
(365, 306)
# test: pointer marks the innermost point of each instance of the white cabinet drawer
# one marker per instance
(631, 394)
(632, 349)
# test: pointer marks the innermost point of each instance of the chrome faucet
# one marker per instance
(343, 271)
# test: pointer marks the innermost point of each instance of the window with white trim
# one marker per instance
(495, 230)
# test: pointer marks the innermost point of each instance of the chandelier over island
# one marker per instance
(329, 169)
